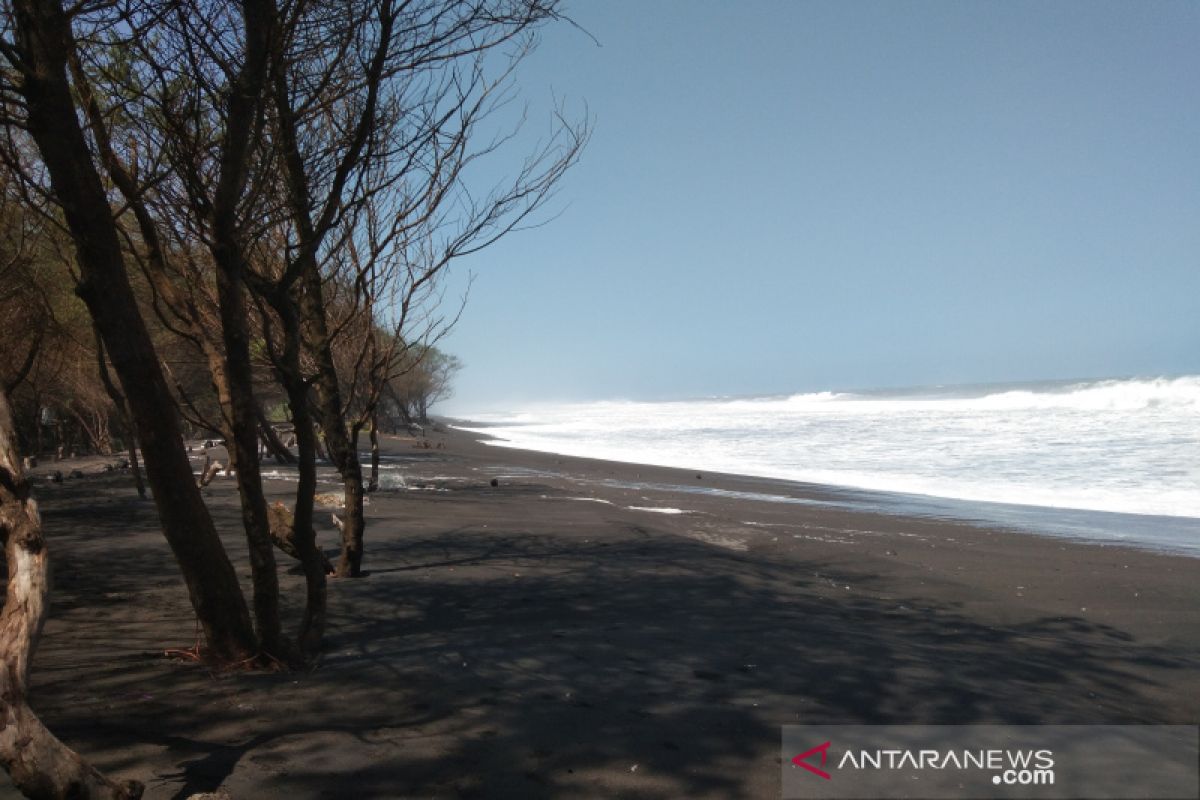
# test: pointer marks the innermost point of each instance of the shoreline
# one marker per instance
(1164, 534)
(1119, 447)
(591, 629)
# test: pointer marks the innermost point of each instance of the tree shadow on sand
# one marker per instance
(580, 663)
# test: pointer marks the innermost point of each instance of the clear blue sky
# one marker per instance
(795, 196)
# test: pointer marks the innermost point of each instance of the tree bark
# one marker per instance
(373, 485)
(350, 563)
(44, 40)
(291, 375)
(312, 627)
(237, 399)
(40, 765)
(227, 249)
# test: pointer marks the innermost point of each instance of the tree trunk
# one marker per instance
(343, 451)
(40, 765)
(227, 246)
(134, 466)
(312, 626)
(43, 41)
(373, 485)
(350, 563)
(237, 399)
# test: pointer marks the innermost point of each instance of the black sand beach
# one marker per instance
(559, 635)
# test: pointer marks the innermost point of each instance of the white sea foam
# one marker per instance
(1130, 446)
(656, 510)
(389, 480)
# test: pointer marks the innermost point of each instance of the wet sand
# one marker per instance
(567, 634)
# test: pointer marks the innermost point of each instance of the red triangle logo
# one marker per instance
(801, 760)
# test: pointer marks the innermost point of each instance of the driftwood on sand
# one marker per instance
(283, 534)
(209, 470)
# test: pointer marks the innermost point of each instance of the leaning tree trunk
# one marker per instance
(40, 765)
(274, 446)
(43, 42)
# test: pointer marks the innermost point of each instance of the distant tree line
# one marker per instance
(63, 393)
(215, 210)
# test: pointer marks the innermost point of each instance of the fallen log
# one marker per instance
(283, 534)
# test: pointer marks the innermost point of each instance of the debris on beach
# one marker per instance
(283, 534)
(209, 470)
(330, 500)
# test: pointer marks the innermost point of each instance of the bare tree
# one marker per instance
(377, 111)
(235, 105)
(40, 100)
(191, 218)
(424, 379)
(314, 153)
(208, 81)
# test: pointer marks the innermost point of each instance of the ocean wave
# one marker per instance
(1108, 395)
(1117, 445)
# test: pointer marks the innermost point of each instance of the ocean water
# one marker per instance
(1114, 460)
